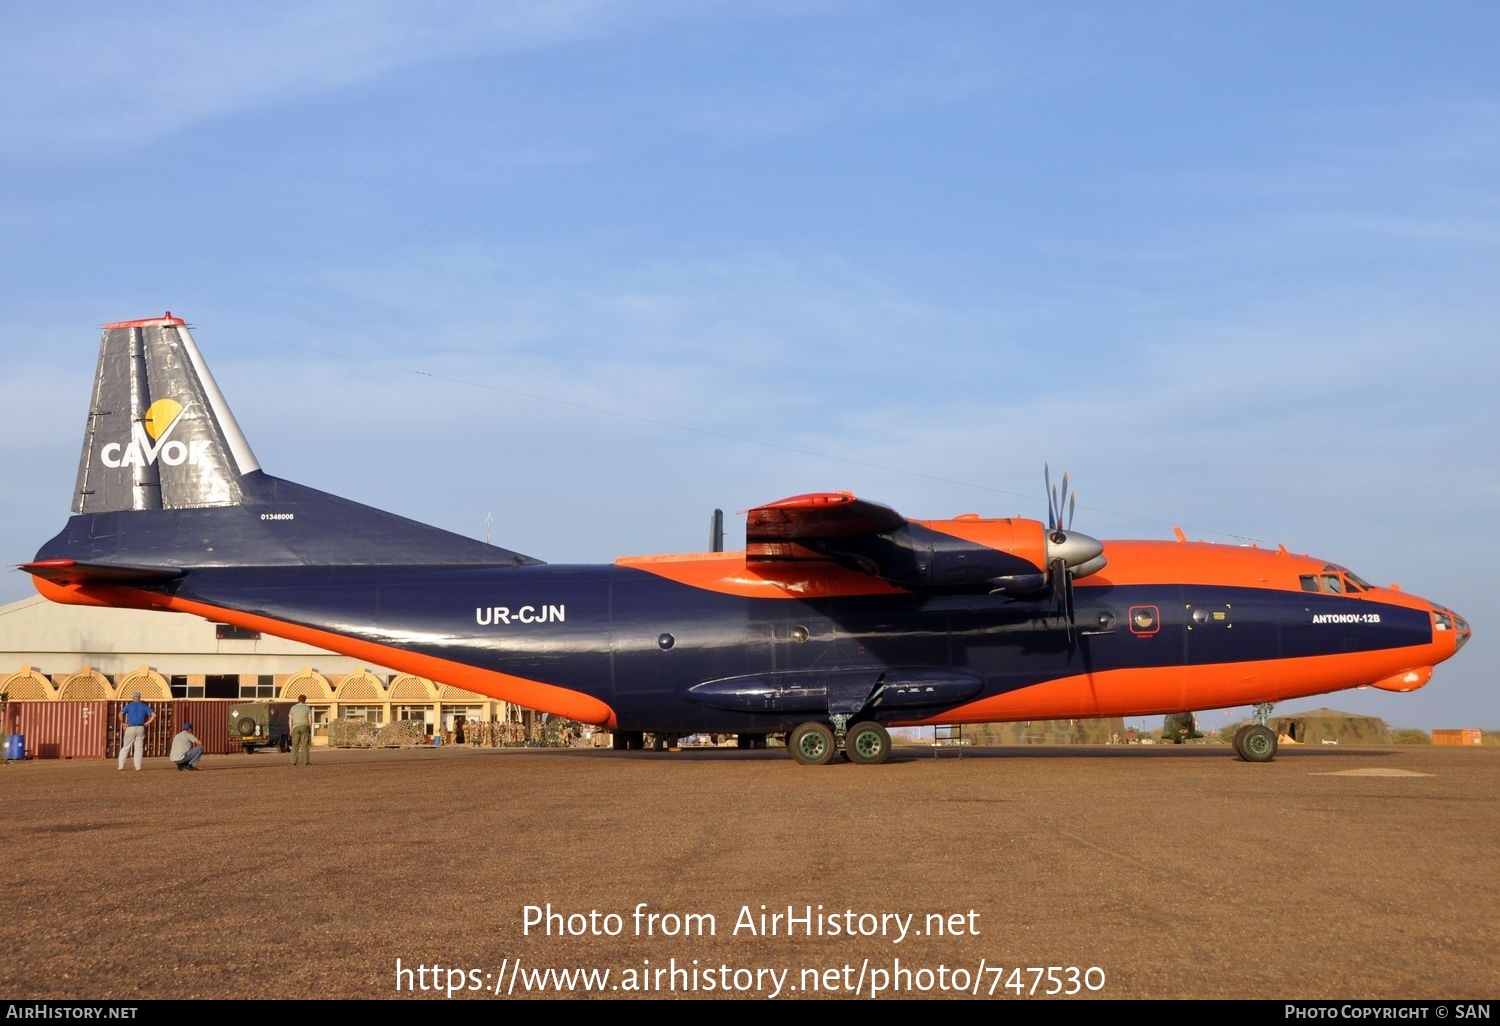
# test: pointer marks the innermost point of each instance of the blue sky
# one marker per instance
(576, 274)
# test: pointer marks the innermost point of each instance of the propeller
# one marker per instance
(1070, 554)
(1079, 553)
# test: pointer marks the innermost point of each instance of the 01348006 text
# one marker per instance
(690, 976)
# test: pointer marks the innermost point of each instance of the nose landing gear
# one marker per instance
(1256, 742)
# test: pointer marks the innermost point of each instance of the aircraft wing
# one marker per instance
(838, 528)
(817, 516)
(1013, 555)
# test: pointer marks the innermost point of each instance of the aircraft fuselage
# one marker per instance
(635, 648)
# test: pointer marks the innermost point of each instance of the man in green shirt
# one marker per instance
(300, 719)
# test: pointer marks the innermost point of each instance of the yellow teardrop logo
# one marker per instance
(160, 416)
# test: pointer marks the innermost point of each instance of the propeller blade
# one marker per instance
(1062, 595)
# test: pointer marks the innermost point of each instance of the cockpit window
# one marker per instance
(1352, 579)
(1334, 580)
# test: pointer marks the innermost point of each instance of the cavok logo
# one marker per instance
(151, 441)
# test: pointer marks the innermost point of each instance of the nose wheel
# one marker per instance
(1255, 742)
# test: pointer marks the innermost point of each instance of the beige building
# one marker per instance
(52, 652)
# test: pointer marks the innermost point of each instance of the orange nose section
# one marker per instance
(1407, 680)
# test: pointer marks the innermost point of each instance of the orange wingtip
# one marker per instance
(811, 500)
(165, 318)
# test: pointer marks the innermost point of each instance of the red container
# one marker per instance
(158, 734)
(210, 720)
(62, 730)
(91, 729)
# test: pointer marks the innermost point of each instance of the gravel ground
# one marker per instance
(1141, 873)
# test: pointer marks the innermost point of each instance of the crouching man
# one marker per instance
(186, 748)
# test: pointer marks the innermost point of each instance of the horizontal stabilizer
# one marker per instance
(70, 571)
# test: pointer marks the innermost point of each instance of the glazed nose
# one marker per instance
(1448, 620)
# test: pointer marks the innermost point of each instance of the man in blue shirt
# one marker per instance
(135, 718)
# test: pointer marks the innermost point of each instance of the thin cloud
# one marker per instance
(94, 74)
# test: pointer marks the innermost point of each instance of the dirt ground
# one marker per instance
(1130, 872)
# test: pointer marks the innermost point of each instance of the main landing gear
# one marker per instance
(866, 743)
(1256, 742)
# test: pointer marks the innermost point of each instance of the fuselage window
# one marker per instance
(1309, 582)
(1144, 620)
(1332, 583)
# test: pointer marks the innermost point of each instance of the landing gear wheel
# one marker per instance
(811, 744)
(1255, 743)
(867, 743)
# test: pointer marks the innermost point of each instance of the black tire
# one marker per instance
(811, 744)
(867, 743)
(1255, 743)
(285, 745)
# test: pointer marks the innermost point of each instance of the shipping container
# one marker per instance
(1458, 737)
(61, 730)
(210, 720)
(158, 734)
(91, 729)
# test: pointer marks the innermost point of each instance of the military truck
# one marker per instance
(255, 725)
(1180, 727)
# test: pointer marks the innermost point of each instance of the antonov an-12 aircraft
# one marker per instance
(839, 619)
